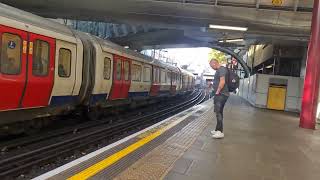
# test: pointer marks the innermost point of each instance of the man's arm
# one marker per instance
(221, 84)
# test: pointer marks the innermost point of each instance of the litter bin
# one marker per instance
(276, 97)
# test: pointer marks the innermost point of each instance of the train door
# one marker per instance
(13, 58)
(155, 87)
(116, 90)
(65, 73)
(126, 78)
(40, 71)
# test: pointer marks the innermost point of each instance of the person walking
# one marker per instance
(221, 95)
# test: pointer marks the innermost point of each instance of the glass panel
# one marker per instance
(107, 68)
(154, 75)
(118, 69)
(10, 54)
(147, 74)
(168, 77)
(126, 70)
(163, 76)
(136, 72)
(40, 63)
(64, 67)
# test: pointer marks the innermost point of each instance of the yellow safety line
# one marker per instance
(96, 168)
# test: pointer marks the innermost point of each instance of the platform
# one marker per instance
(259, 144)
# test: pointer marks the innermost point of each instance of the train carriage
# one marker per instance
(47, 69)
(38, 57)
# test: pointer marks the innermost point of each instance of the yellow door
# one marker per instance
(276, 97)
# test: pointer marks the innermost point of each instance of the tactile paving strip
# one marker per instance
(159, 161)
(125, 162)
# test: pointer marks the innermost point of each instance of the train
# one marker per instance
(48, 69)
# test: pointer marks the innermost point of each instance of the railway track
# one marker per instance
(76, 128)
(22, 163)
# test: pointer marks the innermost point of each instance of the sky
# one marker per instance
(197, 58)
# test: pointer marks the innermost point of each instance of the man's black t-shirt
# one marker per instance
(221, 72)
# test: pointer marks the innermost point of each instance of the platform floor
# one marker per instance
(258, 145)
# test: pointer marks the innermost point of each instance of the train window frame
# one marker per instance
(20, 58)
(168, 78)
(133, 75)
(70, 62)
(144, 74)
(128, 77)
(33, 58)
(106, 59)
(156, 75)
(165, 76)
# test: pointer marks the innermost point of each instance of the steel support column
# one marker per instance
(312, 78)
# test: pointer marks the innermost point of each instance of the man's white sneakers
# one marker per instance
(213, 132)
(217, 135)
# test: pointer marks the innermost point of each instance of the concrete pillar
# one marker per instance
(312, 78)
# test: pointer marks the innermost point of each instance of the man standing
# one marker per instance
(221, 95)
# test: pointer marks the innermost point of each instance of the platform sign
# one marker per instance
(277, 2)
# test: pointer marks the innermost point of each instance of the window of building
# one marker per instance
(40, 62)
(64, 67)
(126, 70)
(136, 72)
(118, 70)
(146, 74)
(10, 62)
(107, 68)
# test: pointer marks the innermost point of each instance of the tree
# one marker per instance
(218, 55)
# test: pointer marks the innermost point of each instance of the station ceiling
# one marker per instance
(186, 22)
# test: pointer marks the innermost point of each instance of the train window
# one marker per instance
(118, 71)
(146, 74)
(107, 68)
(136, 72)
(126, 70)
(173, 77)
(163, 76)
(156, 75)
(64, 67)
(10, 62)
(40, 62)
(169, 77)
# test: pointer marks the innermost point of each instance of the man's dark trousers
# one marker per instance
(219, 102)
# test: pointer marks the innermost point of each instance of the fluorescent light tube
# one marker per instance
(232, 40)
(234, 28)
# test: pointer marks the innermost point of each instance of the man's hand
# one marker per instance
(221, 84)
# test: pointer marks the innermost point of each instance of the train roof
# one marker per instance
(110, 46)
(29, 18)
(186, 72)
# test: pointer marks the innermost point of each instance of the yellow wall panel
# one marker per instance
(276, 97)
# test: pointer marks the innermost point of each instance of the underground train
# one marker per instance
(48, 69)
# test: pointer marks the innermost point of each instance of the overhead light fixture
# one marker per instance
(234, 28)
(232, 40)
(270, 66)
(127, 47)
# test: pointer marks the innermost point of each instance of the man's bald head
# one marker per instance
(214, 64)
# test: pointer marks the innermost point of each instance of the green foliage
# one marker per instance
(218, 55)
